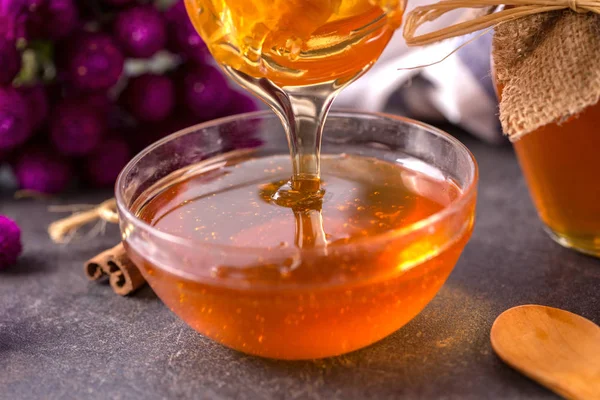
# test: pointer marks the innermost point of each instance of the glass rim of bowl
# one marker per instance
(466, 193)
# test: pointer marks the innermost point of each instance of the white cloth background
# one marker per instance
(458, 90)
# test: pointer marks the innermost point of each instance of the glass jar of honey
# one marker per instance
(561, 167)
(546, 64)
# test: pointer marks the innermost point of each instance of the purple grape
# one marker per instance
(92, 62)
(150, 98)
(99, 101)
(148, 133)
(88, 11)
(40, 19)
(10, 242)
(37, 100)
(16, 17)
(183, 37)
(11, 8)
(10, 61)
(60, 18)
(52, 19)
(42, 171)
(106, 162)
(204, 91)
(15, 119)
(32, 25)
(240, 103)
(119, 3)
(76, 128)
(141, 31)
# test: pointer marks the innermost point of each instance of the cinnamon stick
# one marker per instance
(93, 267)
(124, 276)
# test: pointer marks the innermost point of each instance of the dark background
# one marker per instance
(63, 337)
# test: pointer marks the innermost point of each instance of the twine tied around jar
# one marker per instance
(517, 9)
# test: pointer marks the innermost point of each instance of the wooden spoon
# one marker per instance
(556, 348)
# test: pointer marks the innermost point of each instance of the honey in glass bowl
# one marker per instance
(311, 280)
(310, 258)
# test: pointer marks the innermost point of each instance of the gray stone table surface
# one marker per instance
(62, 337)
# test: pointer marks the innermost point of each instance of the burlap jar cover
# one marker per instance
(546, 55)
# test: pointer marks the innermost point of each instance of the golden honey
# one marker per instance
(561, 165)
(337, 270)
(297, 42)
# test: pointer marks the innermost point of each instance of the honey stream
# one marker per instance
(297, 55)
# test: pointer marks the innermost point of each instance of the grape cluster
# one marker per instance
(84, 84)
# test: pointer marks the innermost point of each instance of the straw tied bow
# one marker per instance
(516, 9)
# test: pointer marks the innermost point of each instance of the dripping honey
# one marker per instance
(297, 42)
(357, 286)
(297, 55)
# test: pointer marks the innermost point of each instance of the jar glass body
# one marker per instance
(561, 164)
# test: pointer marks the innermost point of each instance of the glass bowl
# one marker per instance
(326, 312)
